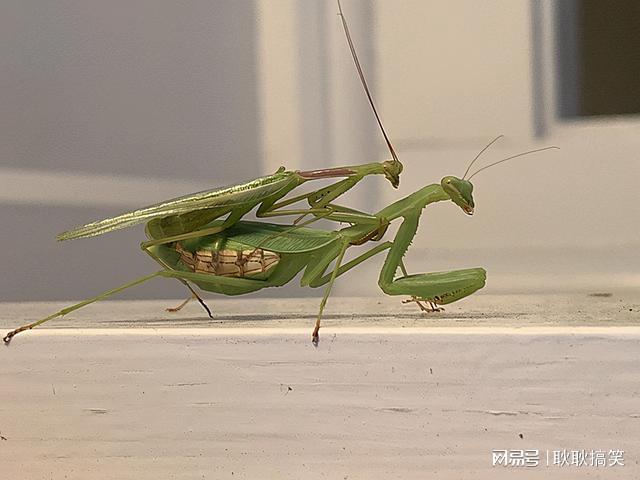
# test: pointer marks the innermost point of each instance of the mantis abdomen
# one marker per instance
(228, 262)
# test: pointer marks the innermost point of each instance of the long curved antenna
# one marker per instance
(511, 158)
(363, 80)
(480, 153)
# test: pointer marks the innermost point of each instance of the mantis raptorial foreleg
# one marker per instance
(319, 201)
(436, 288)
(320, 198)
(324, 196)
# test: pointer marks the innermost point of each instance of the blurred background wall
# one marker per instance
(109, 106)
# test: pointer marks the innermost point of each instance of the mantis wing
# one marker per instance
(279, 238)
(246, 194)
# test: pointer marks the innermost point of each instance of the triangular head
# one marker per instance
(460, 191)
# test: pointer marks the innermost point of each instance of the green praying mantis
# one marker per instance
(202, 238)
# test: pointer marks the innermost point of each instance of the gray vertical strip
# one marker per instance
(540, 127)
(568, 58)
(314, 90)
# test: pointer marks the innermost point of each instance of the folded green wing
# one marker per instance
(278, 238)
(246, 194)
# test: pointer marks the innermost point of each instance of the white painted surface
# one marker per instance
(384, 401)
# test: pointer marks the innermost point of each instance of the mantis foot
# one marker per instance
(179, 307)
(193, 295)
(7, 338)
(433, 307)
(315, 336)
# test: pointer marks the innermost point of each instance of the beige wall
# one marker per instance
(466, 77)
(113, 106)
(449, 77)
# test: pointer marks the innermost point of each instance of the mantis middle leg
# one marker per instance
(193, 295)
(313, 276)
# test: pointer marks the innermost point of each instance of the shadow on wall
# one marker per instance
(131, 89)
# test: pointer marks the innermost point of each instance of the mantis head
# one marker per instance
(460, 192)
(392, 171)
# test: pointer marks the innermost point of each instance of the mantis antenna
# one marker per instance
(363, 80)
(511, 158)
(480, 153)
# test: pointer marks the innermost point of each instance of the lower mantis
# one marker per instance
(250, 256)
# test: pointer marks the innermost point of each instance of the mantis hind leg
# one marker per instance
(320, 200)
(7, 338)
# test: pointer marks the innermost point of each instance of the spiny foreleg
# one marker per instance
(439, 288)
